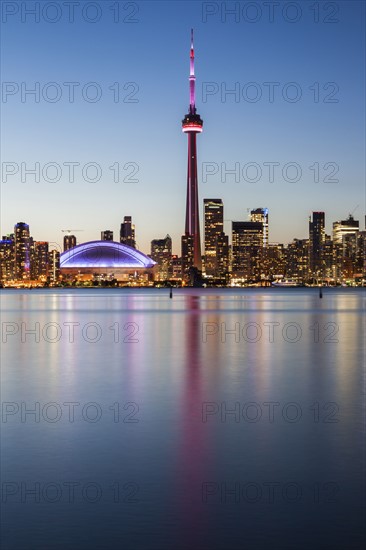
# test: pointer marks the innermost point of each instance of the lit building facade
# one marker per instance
(127, 233)
(276, 257)
(107, 235)
(261, 215)
(22, 251)
(69, 242)
(7, 266)
(40, 261)
(361, 255)
(214, 226)
(345, 248)
(54, 272)
(161, 253)
(187, 259)
(247, 250)
(316, 244)
(345, 227)
(176, 268)
(222, 267)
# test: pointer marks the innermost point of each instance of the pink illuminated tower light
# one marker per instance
(192, 125)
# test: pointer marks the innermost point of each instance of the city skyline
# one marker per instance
(250, 259)
(260, 133)
(99, 234)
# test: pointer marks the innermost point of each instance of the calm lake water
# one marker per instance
(219, 419)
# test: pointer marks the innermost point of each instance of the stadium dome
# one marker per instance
(104, 255)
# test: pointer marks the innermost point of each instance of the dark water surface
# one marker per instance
(219, 419)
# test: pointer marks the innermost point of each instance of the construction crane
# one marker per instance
(69, 231)
(353, 211)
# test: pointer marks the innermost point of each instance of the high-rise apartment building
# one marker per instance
(22, 251)
(316, 244)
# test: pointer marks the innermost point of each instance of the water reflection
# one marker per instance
(170, 372)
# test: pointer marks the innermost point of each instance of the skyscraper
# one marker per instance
(316, 244)
(222, 256)
(247, 249)
(192, 125)
(161, 253)
(187, 256)
(214, 226)
(7, 258)
(127, 233)
(22, 251)
(261, 215)
(346, 248)
(106, 235)
(297, 260)
(69, 242)
(54, 266)
(345, 227)
(40, 261)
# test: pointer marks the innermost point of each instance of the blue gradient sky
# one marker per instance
(154, 53)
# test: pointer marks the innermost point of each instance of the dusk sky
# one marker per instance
(151, 49)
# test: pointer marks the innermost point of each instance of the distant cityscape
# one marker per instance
(250, 260)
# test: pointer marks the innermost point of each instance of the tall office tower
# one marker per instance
(7, 258)
(345, 239)
(192, 125)
(345, 227)
(161, 253)
(316, 244)
(54, 266)
(69, 242)
(214, 226)
(40, 261)
(261, 215)
(22, 251)
(345, 256)
(276, 258)
(328, 257)
(222, 256)
(187, 256)
(106, 235)
(247, 250)
(338, 260)
(127, 233)
(361, 254)
(176, 268)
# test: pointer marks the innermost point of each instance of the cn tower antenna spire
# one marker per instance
(192, 80)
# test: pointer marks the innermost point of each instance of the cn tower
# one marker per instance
(192, 125)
